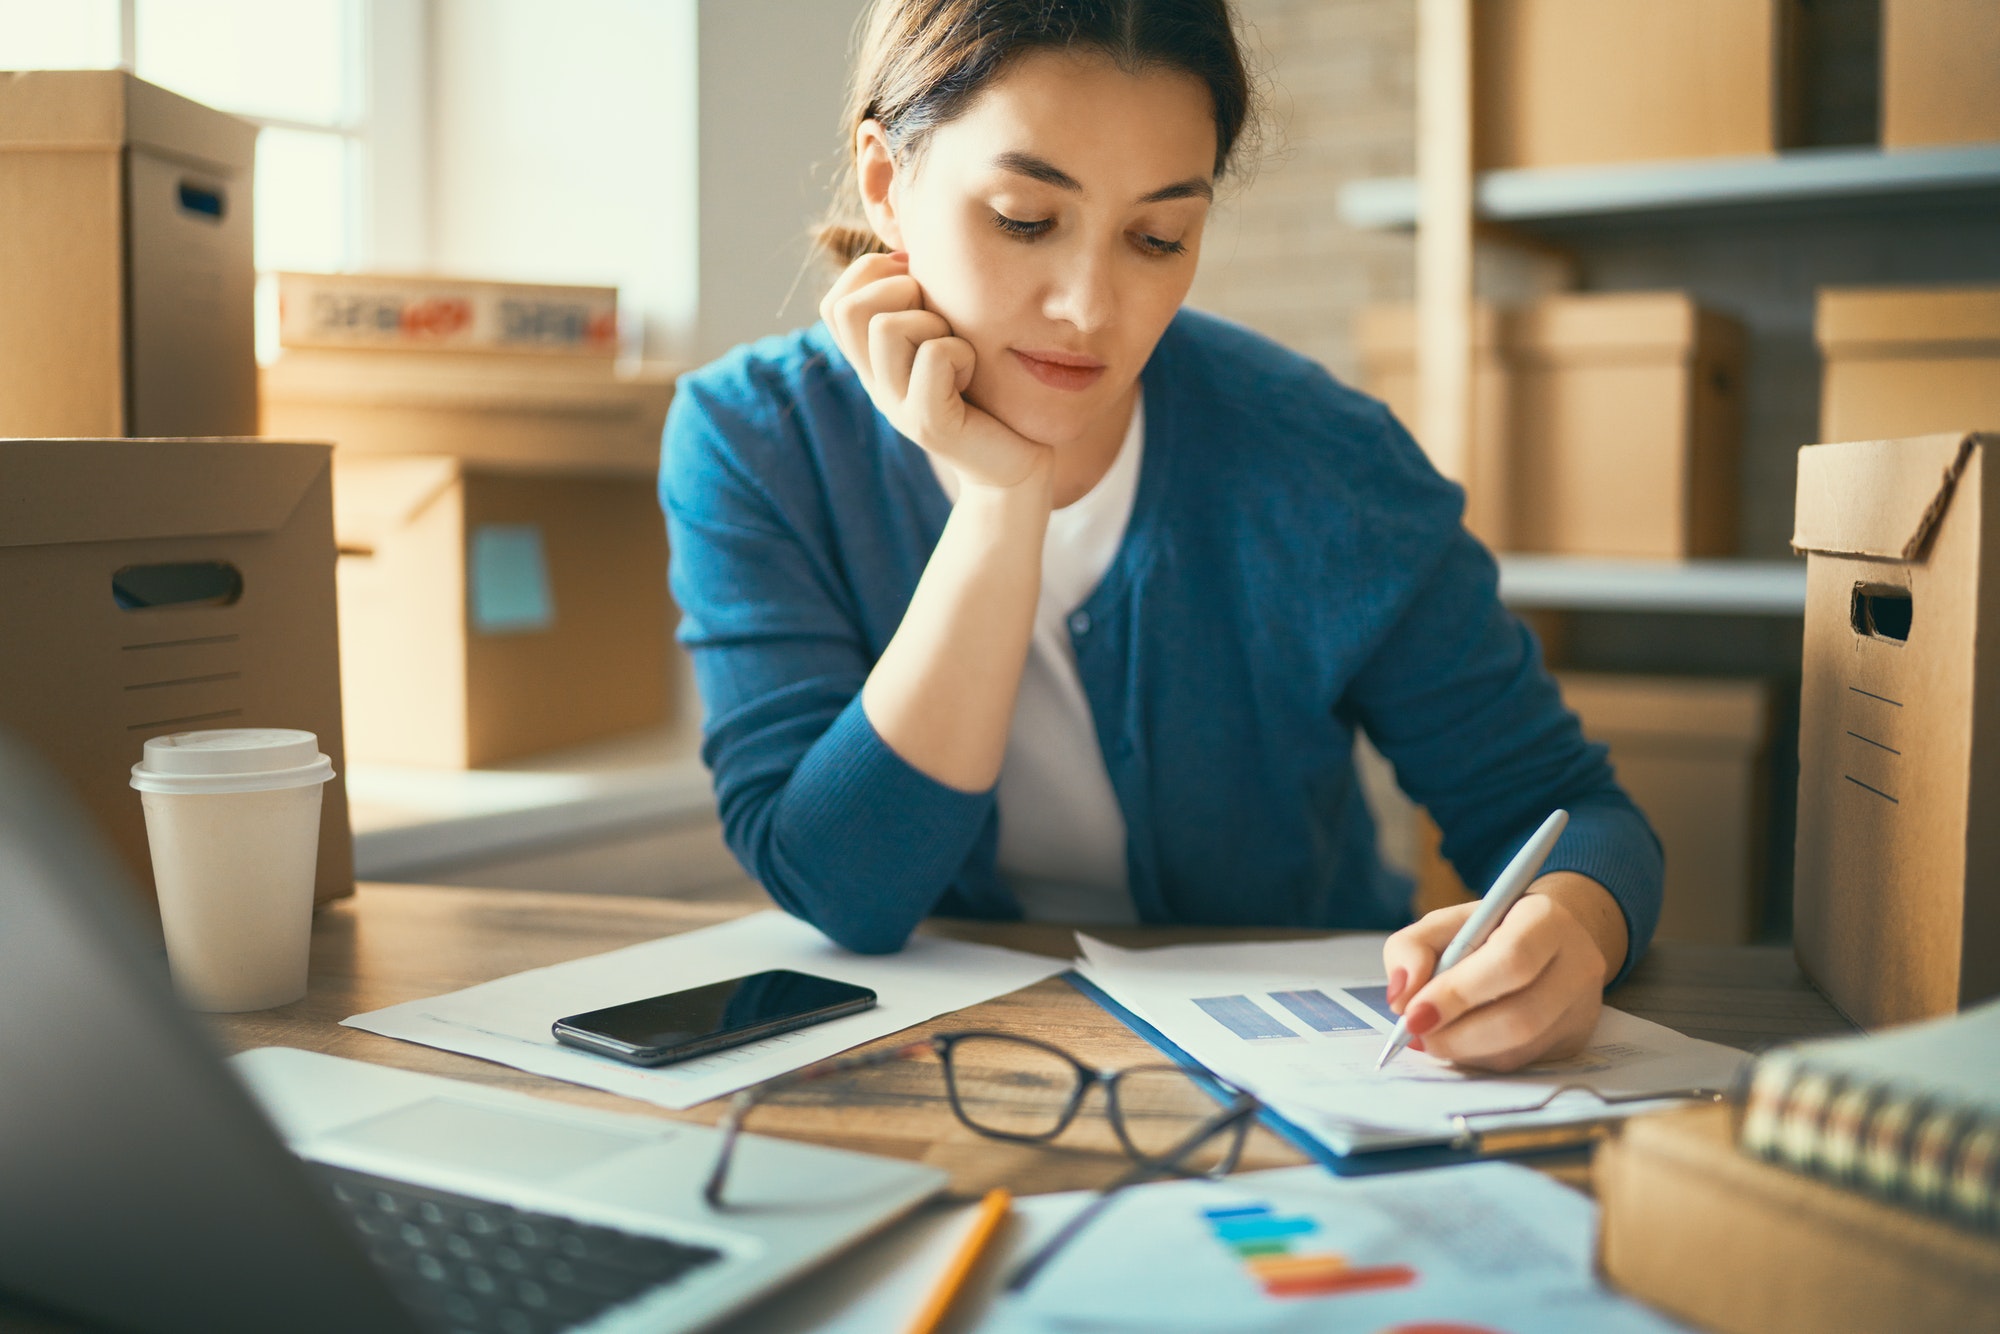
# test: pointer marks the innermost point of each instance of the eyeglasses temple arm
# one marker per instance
(1019, 1280)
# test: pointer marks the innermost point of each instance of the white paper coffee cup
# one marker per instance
(232, 818)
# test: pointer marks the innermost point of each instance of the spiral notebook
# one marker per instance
(1911, 1115)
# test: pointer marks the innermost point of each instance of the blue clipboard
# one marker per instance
(1340, 1164)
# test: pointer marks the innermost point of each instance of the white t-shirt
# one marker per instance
(1062, 833)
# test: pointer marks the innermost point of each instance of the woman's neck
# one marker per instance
(1082, 463)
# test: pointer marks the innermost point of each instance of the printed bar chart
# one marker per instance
(1322, 1012)
(1241, 1016)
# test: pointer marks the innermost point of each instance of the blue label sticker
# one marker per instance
(510, 580)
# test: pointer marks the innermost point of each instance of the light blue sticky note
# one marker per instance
(510, 580)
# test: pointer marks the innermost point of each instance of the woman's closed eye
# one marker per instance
(1025, 228)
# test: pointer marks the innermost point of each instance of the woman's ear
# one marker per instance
(875, 175)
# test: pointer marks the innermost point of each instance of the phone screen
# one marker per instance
(682, 1024)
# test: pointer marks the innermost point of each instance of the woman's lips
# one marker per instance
(1061, 370)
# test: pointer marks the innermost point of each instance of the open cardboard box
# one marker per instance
(1897, 888)
(157, 586)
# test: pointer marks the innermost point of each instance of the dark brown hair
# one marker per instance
(922, 62)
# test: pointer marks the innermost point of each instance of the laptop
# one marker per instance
(149, 1185)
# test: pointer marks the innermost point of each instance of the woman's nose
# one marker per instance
(1083, 293)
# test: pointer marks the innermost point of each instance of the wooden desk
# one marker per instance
(395, 943)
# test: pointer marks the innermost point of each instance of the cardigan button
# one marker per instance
(1079, 623)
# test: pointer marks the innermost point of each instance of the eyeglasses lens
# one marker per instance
(1011, 1088)
(1160, 1107)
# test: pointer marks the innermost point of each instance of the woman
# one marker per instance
(1012, 587)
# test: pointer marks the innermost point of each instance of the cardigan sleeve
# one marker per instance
(1457, 699)
(836, 826)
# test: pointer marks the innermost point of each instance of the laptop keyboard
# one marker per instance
(465, 1264)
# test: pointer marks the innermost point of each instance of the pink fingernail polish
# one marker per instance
(1422, 1018)
(900, 256)
(1416, 1044)
(1397, 981)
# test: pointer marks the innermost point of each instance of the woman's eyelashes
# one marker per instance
(1027, 229)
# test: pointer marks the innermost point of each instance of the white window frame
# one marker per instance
(388, 202)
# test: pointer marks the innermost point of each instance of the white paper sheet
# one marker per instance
(1493, 1248)
(1301, 1023)
(508, 1020)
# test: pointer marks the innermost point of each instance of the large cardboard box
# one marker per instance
(1560, 83)
(1740, 1246)
(569, 414)
(1622, 422)
(1897, 890)
(413, 313)
(157, 586)
(1692, 754)
(487, 614)
(1940, 72)
(1903, 361)
(125, 259)
(1627, 427)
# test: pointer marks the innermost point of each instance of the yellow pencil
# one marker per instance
(992, 1213)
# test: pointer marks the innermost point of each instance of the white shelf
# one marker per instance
(409, 820)
(1730, 587)
(1794, 184)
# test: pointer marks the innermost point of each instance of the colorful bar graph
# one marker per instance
(1322, 1012)
(1241, 1016)
(1262, 1241)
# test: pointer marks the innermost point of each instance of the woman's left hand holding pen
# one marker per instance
(1532, 992)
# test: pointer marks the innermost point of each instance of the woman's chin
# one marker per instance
(1051, 424)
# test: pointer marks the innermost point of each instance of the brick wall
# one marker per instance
(1340, 83)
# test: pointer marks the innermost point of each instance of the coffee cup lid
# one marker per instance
(231, 759)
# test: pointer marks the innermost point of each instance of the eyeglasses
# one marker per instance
(1039, 1091)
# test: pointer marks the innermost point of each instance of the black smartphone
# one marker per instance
(684, 1024)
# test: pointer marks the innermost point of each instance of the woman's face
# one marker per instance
(1055, 226)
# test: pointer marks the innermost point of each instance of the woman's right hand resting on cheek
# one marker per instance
(916, 369)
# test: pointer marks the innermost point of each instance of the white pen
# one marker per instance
(1506, 892)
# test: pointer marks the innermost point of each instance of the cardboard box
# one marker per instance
(1733, 1244)
(231, 541)
(1940, 72)
(487, 614)
(1897, 886)
(127, 264)
(1623, 421)
(410, 313)
(1692, 754)
(544, 413)
(1560, 83)
(1904, 361)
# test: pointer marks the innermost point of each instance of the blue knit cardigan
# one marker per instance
(1294, 569)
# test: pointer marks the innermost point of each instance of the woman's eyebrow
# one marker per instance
(1048, 173)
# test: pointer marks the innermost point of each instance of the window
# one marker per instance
(299, 69)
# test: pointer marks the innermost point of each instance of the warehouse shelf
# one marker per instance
(1581, 583)
(1801, 183)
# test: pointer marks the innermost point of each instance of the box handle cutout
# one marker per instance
(200, 199)
(1882, 611)
(203, 583)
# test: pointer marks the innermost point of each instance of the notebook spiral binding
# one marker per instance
(1890, 1142)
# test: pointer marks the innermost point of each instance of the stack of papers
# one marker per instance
(1301, 1024)
(508, 1020)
